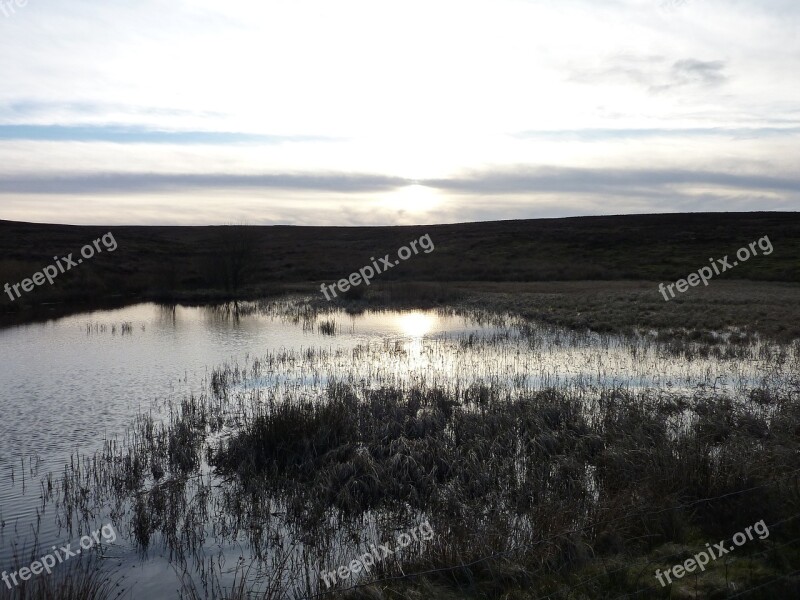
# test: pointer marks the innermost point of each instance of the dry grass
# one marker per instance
(771, 310)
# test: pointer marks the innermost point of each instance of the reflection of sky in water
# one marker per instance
(71, 383)
(417, 346)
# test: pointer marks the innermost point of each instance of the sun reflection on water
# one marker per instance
(416, 324)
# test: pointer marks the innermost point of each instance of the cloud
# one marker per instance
(654, 73)
(697, 72)
(28, 109)
(507, 181)
(604, 134)
(141, 135)
(138, 183)
(606, 181)
(624, 68)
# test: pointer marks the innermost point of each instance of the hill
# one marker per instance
(194, 263)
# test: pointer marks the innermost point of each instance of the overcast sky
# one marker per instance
(376, 112)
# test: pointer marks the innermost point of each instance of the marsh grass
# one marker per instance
(531, 485)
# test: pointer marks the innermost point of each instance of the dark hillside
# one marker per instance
(186, 262)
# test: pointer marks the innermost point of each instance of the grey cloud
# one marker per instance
(691, 71)
(131, 183)
(595, 181)
(521, 180)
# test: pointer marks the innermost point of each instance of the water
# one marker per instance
(70, 384)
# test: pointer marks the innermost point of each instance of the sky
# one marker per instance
(376, 112)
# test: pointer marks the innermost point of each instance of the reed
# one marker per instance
(315, 455)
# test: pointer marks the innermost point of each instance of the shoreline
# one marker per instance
(768, 309)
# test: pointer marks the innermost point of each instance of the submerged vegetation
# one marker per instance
(549, 464)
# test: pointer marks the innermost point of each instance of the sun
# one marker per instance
(415, 198)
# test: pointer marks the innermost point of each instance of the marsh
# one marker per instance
(239, 446)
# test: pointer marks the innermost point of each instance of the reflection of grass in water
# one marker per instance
(317, 474)
(327, 327)
(83, 578)
(125, 328)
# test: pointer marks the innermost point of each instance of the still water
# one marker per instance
(69, 384)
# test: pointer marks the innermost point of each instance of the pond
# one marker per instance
(71, 385)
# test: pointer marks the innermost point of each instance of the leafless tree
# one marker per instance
(232, 257)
